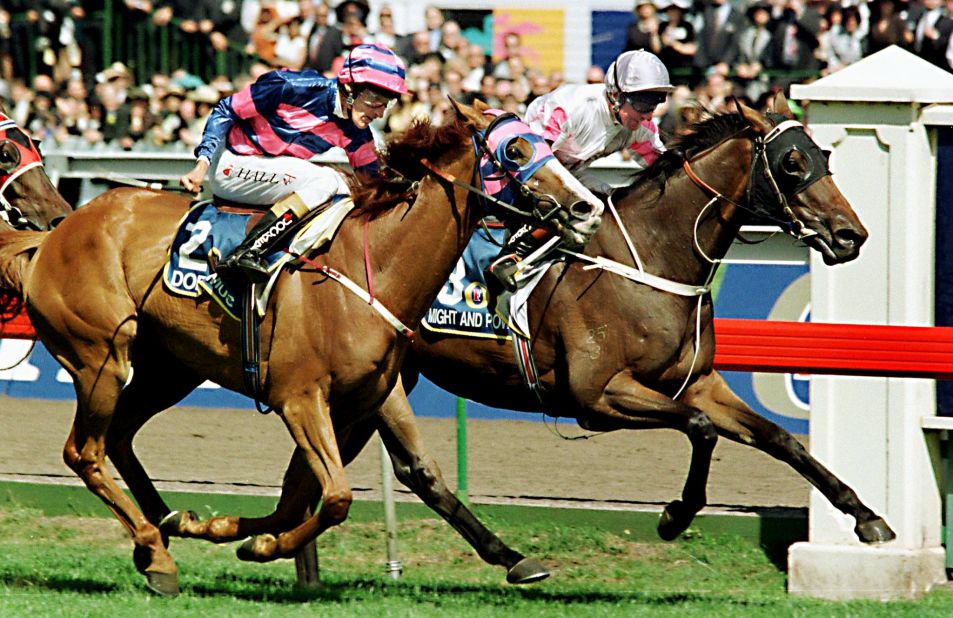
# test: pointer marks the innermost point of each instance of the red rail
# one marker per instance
(792, 347)
(841, 349)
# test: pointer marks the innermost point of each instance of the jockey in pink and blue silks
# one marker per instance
(258, 142)
(584, 123)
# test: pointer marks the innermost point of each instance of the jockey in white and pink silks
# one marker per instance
(257, 144)
(583, 123)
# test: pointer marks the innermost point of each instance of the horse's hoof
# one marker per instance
(675, 520)
(174, 523)
(527, 571)
(163, 584)
(874, 531)
(259, 548)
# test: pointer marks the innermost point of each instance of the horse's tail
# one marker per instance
(16, 251)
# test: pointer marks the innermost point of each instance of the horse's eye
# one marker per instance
(793, 163)
(9, 157)
(515, 153)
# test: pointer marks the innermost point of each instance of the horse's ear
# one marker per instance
(781, 106)
(469, 115)
(480, 106)
(756, 120)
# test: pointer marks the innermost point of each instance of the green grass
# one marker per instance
(82, 566)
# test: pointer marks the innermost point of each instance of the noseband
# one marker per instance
(763, 186)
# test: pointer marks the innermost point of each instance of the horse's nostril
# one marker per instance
(581, 209)
(849, 238)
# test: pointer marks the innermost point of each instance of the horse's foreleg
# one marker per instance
(300, 492)
(734, 419)
(626, 403)
(309, 422)
(418, 471)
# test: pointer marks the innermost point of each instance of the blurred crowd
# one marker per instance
(714, 49)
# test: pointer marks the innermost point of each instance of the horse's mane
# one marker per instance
(400, 161)
(698, 137)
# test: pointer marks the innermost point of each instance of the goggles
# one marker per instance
(643, 102)
(375, 100)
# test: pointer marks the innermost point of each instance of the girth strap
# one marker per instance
(251, 345)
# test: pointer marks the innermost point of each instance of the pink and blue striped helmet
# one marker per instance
(371, 64)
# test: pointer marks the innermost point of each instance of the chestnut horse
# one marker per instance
(619, 347)
(93, 292)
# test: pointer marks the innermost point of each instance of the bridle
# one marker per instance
(502, 179)
(18, 155)
(765, 195)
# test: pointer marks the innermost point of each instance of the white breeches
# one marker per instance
(265, 180)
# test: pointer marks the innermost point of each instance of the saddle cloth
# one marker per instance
(462, 307)
(206, 232)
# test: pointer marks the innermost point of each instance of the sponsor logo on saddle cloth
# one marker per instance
(463, 306)
(206, 231)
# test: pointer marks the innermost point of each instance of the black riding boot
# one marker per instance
(247, 261)
(501, 273)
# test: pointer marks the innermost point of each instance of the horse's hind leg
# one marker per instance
(418, 471)
(627, 404)
(99, 372)
(734, 419)
(158, 383)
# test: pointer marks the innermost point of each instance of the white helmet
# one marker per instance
(637, 71)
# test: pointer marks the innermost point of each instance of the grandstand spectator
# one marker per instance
(794, 43)
(595, 74)
(453, 46)
(512, 48)
(476, 67)
(315, 26)
(487, 92)
(752, 47)
(845, 41)
(718, 38)
(433, 21)
(887, 27)
(349, 31)
(643, 33)
(227, 29)
(678, 40)
(386, 32)
(170, 119)
(930, 42)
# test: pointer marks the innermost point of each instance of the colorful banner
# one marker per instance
(542, 36)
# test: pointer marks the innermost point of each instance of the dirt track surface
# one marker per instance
(203, 449)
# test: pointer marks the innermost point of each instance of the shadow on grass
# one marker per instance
(358, 589)
(60, 584)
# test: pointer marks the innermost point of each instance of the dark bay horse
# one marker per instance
(616, 354)
(94, 295)
(613, 353)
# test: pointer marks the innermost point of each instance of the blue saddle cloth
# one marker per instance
(463, 305)
(204, 232)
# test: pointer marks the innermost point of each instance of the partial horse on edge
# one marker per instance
(93, 292)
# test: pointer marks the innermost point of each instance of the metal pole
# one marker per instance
(462, 485)
(394, 565)
(306, 564)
